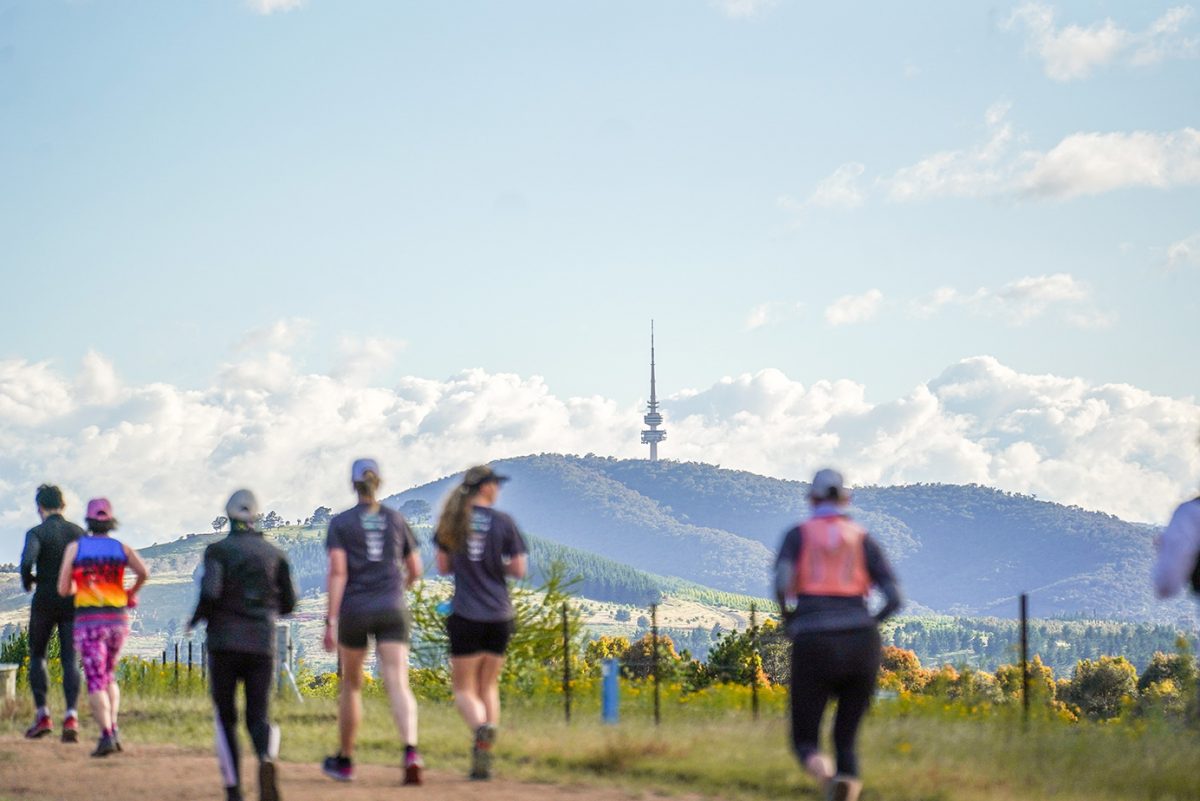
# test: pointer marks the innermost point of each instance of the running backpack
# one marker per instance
(833, 558)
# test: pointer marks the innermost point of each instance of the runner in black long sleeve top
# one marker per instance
(246, 584)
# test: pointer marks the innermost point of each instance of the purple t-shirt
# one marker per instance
(376, 544)
(480, 584)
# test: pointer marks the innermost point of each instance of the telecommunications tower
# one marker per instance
(653, 435)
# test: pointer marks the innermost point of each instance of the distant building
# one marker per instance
(653, 435)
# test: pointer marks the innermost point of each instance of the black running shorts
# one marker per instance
(391, 626)
(470, 637)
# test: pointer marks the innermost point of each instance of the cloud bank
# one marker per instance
(168, 456)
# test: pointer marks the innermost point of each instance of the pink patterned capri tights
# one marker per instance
(99, 648)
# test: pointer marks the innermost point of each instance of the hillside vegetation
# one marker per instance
(959, 550)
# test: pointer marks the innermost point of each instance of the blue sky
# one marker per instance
(871, 192)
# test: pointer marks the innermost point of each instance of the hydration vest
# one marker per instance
(833, 558)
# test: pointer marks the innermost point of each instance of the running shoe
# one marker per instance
(844, 788)
(268, 787)
(233, 794)
(338, 768)
(71, 730)
(40, 728)
(105, 746)
(413, 765)
(481, 753)
(117, 739)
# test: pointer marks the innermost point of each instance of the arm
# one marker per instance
(445, 565)
(517, 566)
(139, 570)
(336, 586)
(883, 578)
(515, 553)
(412, 569)
(1178, 548)
(785, 571)
(29, 555)
(66, 584)
(287, 590)
(212, 582)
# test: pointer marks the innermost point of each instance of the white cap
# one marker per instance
(242, 506)
(828, 485)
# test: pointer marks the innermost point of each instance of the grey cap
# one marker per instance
(242, 506)
(828, 485)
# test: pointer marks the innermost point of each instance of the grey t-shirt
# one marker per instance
(376, 544)
(480, 586)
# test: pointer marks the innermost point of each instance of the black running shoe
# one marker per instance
(268, 787)
(117, 740)
(413, 765)
(105, 746)
(338, 768)
(233, 794)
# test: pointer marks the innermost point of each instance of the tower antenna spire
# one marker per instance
(653, 435)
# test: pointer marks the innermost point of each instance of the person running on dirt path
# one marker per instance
(1179, 552)
(93, 573)
(373, 560)
(481, 547)
(825, 569)
(246, 585)
(41, 561)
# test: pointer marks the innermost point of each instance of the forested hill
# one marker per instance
(964, 550)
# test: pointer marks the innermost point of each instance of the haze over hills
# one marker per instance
(963, 550)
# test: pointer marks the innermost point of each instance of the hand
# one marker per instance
(131, 602)
(330, 640)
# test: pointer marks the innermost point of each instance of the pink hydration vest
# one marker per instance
(833, 558)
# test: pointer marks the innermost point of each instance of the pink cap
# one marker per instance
(99, 509)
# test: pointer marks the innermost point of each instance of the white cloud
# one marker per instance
(770, 313)
(840, 190)
(1184, 253)
(1093, 163)
(743, 9)
(280, 335)
(1080, 164)
(850, 309)
(1072, 52)
(1021, 301)
(169, 456)
(271, 6)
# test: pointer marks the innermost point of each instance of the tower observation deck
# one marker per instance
(653, 435)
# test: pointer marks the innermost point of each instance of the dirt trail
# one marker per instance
(51, 771)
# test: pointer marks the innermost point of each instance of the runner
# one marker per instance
(41, 561)
(1179, 552)
(826, 567)
(373, 559)
(93, 572)
(247, 583)
(481, 547)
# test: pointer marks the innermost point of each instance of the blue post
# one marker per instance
(610, 672)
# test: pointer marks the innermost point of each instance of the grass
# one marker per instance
(911, 751)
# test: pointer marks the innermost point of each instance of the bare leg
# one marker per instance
(114, 701)
(101, 710)
(393, 666)
(350, 697)
(464, 677)
(490, 667)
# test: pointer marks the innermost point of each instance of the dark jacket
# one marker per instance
(44, 546)
(247, 582)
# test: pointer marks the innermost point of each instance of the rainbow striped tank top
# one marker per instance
(99, 572)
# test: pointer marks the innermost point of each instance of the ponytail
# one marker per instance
(369, 486)
(455, 522)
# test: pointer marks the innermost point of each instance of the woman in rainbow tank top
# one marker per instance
(93, 569)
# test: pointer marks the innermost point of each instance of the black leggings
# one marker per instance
(43, 618)
(840, 664)
(226, 669)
